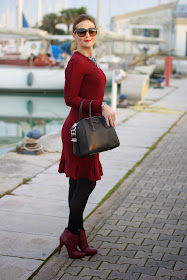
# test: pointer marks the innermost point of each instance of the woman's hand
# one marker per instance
(109, 115)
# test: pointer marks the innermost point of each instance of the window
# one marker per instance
(146, 32)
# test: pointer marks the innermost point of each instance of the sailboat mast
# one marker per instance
(98, 49)
(39, 12)
(99, 13)
(19, 13)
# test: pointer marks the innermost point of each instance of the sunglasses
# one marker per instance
(81, 32)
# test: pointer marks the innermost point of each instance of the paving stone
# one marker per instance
(183, 252)
(142, 269)
(180, 266)
(83, 263)
(73, 270)
(125, 260)
(177, 244)
(95, 244)
(123, 233)
(155, 256)
(178, 232)
(67, 276)
(118, 267)
(126, 276)
(145, 248)
(124, 222)
(126, 253)
(152, 225)
(148, 277)
(105, 238)
(166, 250)
(149, 236)
(166, 221)
(103, 252)
(176, 278)
(171, 237)
(113, 258)
(150, 211)
(119, 228)
(155, 242)
(113, 246)
(104, 232)
(168, 232)
(135, 241)
(166, 264)
(168, 272)
(92, 272)
(137, 229)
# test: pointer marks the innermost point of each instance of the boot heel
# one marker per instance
(61, 244)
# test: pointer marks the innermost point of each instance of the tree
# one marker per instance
(69, 15)
(49, 23)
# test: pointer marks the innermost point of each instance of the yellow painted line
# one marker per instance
(156, 110)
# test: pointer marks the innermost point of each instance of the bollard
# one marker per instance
(117, 76)
(167, 69)
(114, 92)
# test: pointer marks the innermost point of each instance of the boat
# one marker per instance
(36, 80)
(30, 71)
(19, 75)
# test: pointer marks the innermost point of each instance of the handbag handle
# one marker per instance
(80, 109)
(90, 113)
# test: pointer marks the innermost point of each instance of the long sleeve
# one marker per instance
(75, 73)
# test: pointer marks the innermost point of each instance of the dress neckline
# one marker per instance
(89, 58)
(82, 54)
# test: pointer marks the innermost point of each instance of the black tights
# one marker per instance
(79, 191)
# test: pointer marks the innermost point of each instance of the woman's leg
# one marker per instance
(78, 202)
(72, 188)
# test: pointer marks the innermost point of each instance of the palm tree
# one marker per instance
(69, 15)
(49, 23)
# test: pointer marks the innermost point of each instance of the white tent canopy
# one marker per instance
(107, 35)
(16, 33)
(104, 35)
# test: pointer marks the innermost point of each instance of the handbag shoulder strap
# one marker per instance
(80, 109)
(90, 115)
(90, 108)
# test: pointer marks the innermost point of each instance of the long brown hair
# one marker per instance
(78, 20)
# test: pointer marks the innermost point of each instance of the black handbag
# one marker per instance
(92, 135)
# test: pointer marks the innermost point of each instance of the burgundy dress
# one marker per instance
(83, 80)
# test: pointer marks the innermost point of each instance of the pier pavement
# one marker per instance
(139, 230)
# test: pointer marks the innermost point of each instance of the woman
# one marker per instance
(83, 80)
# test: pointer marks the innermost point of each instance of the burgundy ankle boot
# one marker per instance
(83, 244)
(71, 240)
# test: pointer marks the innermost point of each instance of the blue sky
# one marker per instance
(109, 8)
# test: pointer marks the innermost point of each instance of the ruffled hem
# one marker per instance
(93, 174)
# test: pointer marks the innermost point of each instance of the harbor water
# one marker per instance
(20, 113)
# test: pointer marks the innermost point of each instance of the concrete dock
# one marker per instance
(140, 230)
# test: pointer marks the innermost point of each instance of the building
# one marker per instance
(181, 30)
(167, 21)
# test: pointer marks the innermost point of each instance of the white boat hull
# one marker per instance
(16, 79)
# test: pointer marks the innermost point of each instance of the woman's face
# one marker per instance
(87, 41)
